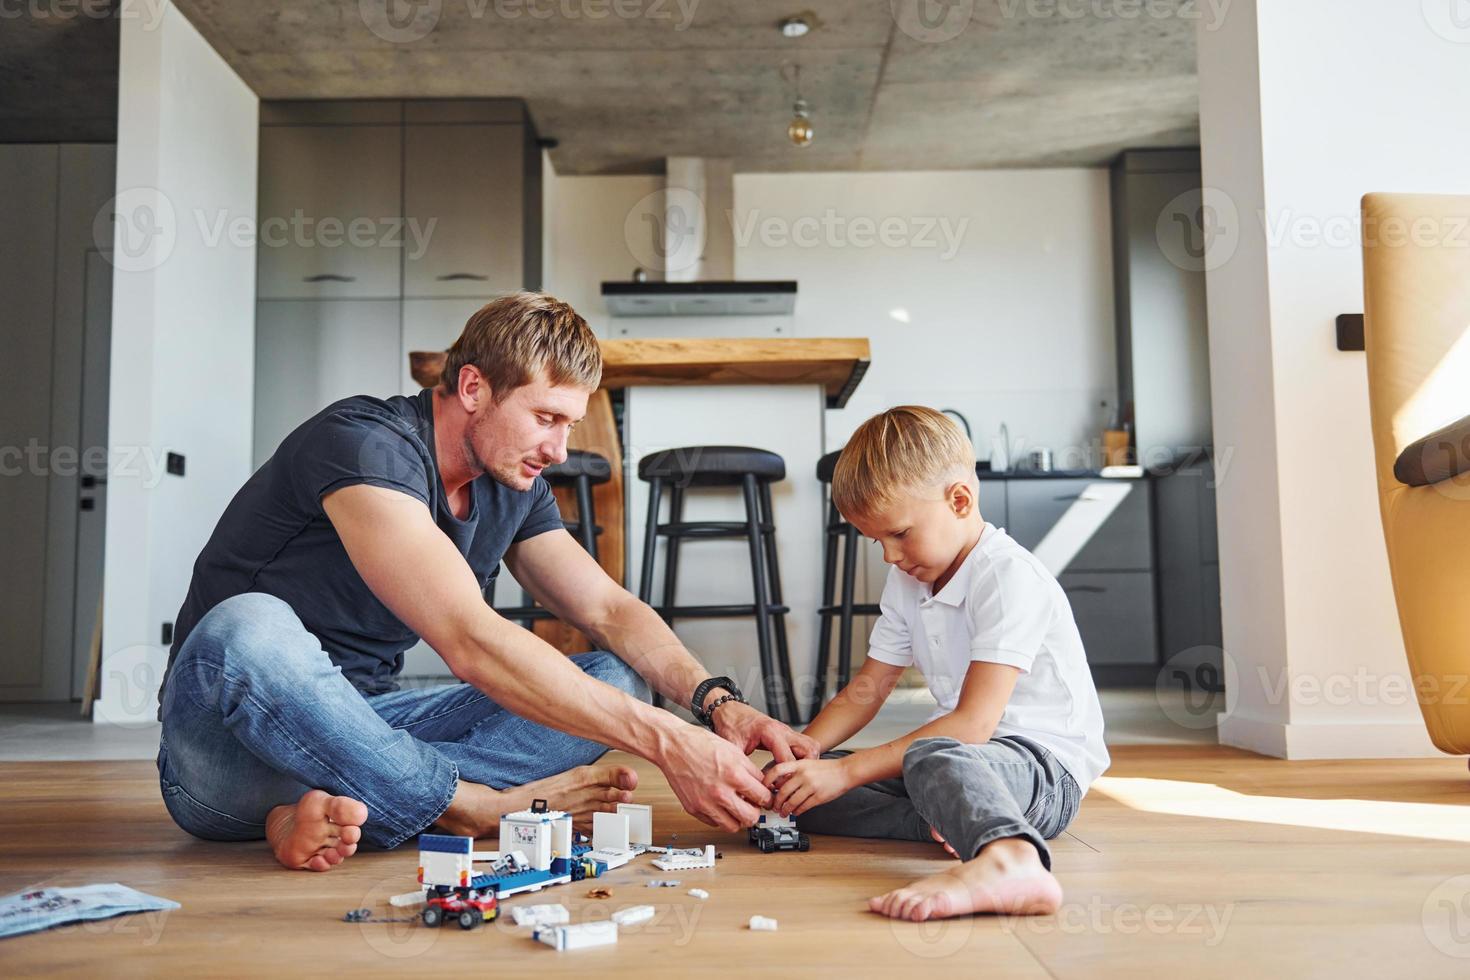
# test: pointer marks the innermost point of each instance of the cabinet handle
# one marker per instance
(1084, 588)
(329, 277)
(456, 276)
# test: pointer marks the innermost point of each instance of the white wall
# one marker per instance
(1295, 130)
(183, 335)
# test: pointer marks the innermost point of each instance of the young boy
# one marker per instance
(1003, 764)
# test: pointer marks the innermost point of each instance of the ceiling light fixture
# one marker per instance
(799, 130)
(797, 26)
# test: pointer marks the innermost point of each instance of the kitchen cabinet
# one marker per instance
(330, 212)
(1115, 615)
(310, 353)
(464, 202)
(1122, 543)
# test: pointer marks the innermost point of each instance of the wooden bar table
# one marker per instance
(766, 392)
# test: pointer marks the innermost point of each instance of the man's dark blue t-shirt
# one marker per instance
(275, 538)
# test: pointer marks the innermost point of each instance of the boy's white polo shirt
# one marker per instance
(1002, 606)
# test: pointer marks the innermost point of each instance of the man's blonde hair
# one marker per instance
(512, 338)
(899, 453)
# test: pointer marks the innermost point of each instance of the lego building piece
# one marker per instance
(580, 936)
(610, 832)
(661, 883)
(699, 893)
(540, 915)
(640, 823)
(599, 893)
(633, 915)
(407, 900)
(759, 923)
(538, 833)
(773, 832)
(686, 862)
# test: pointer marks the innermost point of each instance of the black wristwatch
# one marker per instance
(705, 716)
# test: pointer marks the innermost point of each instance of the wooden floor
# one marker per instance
(1185, 861)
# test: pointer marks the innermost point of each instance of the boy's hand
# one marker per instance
(806, 783)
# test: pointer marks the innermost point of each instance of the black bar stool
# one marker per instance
(753, 470)
(583, 471)
(845, 609)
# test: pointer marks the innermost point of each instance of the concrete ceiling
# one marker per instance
(58, 73)
(621, 84)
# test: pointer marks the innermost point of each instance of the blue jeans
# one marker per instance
(255, 713)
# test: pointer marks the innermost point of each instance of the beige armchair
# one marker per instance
(1416, 284)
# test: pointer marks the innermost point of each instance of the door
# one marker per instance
(92, 469)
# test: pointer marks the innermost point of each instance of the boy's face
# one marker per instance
(925, 536)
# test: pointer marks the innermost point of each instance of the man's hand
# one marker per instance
(806, 783)
(713, 780)
(751, 730)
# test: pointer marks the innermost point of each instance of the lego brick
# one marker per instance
(580, 936)
(640, 822)
(540, 915)
(687, 862)
(609, 832)
(633, 915)
(759, 923)
(446, 844)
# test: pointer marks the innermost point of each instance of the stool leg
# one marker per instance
(770, 681)
(650, 542)
(671, 550)
(829, 586)
(773, 568)
(586, 516)
(849, 579)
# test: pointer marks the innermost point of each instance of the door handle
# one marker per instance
(457, 276)
(1084, 588)
(329, 277)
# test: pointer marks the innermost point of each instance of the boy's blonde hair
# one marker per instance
(513, 338)
(899, 453)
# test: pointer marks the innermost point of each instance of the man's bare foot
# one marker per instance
(475, 810)
(1006, 877)
(317, 832)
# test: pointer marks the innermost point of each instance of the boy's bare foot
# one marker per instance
(475, 810)
(317, 832)
(1006, 877)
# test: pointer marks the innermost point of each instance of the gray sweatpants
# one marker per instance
(972, 794)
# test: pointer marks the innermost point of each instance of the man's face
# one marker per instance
(527, 432)
(922, 535)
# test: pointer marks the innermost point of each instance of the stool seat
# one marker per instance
(579, 463)
(827, 465)
(712, 466)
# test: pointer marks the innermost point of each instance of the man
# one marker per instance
(379, 522)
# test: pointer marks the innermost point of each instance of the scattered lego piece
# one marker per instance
(759, 923)
(407, 900)
(366, 915)
(581, 936)
(699, 893)
(633, 915)
(773, 832)
(599, 893)
(680, 861)
(540, 915)
(662, 883)
(640, 823)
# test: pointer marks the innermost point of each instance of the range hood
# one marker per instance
(691, 253)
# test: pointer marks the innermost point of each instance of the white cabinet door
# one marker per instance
(463, 194)
(432, 324)
(330, 212)
(310, 353)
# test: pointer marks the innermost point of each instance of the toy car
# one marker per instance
(774, 832)
(469, 906)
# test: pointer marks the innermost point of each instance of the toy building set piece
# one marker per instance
(773, 832)
(610, 845)
(759, 923)
(540, 915)
(663, 883)
(580, 936)
(684, 861)
(640, 825)
(452, 890)
(633, 915)
(699, 893)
